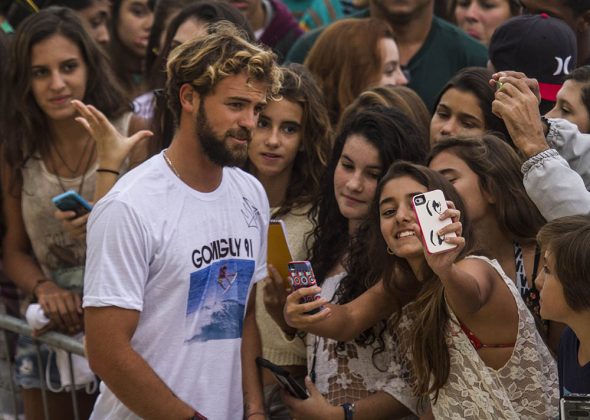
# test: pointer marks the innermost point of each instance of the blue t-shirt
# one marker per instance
(573, 378)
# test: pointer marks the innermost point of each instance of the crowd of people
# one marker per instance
(189, 124)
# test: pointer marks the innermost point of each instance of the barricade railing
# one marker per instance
(53, 339)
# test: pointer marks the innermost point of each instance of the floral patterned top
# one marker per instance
(347, 372)
(526, 387)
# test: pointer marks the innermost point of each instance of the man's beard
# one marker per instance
(215, 148)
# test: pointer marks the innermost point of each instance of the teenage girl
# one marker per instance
(47, 151)
(288, 154)
(357, 370)
(473, 345)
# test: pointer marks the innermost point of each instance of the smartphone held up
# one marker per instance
(302, 275)
(428, 208)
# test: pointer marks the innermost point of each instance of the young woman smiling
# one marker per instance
(358, 370)
(473, 346)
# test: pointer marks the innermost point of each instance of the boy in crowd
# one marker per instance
(565, 297)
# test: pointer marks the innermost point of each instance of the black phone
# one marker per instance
(72, 201)
(284, 377)
(574, 406)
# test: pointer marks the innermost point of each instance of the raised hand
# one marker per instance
(517, 103)
(112, 147)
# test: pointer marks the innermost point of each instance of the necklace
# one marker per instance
(74, 171)
(88, 163)
(169, 162)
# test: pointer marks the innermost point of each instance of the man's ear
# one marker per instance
(188, 98)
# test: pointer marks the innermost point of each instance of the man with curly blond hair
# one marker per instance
(176, 246)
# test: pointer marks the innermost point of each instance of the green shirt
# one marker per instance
(446, 50)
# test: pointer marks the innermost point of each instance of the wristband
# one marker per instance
(348, 410)
(255, 413)
(38, 283)
(110, 171)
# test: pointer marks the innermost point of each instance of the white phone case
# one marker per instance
(428, 207)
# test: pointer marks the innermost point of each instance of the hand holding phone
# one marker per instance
(302, 276)
(428, 208)
(72, 201)
(287, 382)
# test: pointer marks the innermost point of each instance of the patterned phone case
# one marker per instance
(302, 276)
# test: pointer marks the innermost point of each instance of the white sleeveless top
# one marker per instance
(526, 387)
(54, 249)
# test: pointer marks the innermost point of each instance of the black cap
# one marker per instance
(540, 46)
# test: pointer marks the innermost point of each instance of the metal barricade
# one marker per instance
(54, 339)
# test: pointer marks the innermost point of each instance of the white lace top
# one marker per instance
(526, 387)
(347, 372)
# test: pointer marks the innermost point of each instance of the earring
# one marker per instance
(389, 251)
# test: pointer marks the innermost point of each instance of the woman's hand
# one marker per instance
(112, 147)
(74, 226)
(295, 313)
(61, 306)
(442, 263)
(274, 297)
(316, 407)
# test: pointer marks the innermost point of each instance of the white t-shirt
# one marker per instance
(187, 261)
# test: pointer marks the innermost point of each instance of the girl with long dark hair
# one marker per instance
(131, 23)
(473, 345)
(47, 150)
(288, 154)
(357, 370)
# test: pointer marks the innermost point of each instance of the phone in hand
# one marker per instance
(428, 207)
(284, 378)
(302, 275)
(72, 201)
(574, 406)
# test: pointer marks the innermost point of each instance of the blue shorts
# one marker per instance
(26, 366)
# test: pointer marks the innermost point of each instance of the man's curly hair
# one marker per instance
(205, 61)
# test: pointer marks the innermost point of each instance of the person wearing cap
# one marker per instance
(557, 169)
(576, 13)
(540, 46)
(431, 50)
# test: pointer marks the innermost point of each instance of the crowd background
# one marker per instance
(488, 100)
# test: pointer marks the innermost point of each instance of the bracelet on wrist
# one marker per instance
(262, 413)
(38, 283)
(109, 171)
